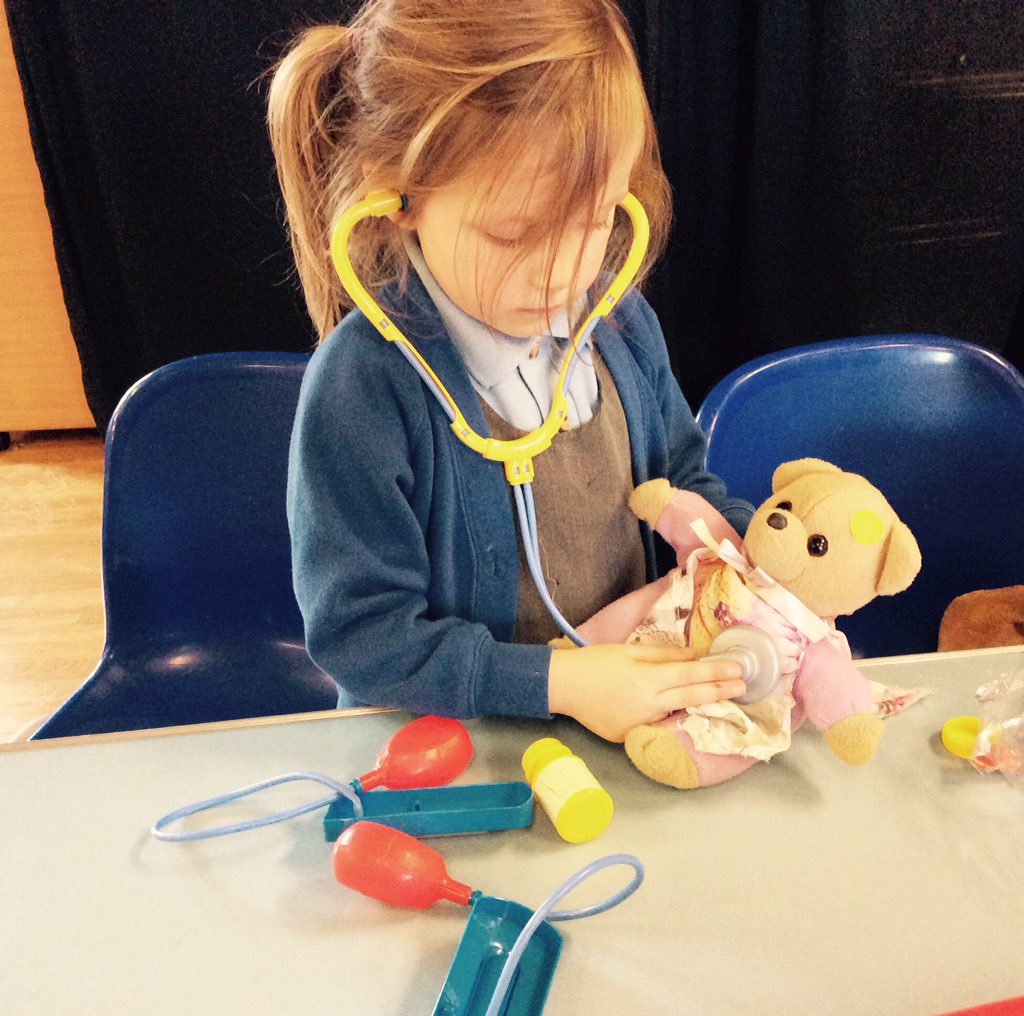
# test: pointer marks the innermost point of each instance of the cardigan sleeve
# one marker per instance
(380, 553)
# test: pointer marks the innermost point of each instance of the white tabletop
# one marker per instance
(802, 886)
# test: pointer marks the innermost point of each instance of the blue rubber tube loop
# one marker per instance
(159, 830)
(545, 912)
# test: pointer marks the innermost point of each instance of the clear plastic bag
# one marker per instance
(999, 745)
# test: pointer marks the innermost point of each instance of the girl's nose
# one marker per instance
(563, 269)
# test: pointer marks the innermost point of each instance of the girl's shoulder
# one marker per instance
(356, 372)
(355, 347)
(353, 338)
(358, 390)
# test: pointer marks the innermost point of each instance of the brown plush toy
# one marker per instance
(984, 619)
(825, 543)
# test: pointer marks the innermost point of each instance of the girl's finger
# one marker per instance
(662, 654)
(689, 695)
(706, 671)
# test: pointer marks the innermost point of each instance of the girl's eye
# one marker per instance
(504, 241)
(509, 242)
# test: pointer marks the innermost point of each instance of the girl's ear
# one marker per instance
(404, 219)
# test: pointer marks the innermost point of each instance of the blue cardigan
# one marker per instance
(404, 542)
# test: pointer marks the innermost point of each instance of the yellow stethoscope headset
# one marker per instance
(517, 455)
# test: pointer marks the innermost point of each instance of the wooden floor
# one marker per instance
(51, 605)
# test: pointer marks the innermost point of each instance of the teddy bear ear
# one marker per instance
(902, 561)
(788, 472)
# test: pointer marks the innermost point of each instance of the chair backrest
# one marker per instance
(936, 424)
(195, 535)
(201, 620)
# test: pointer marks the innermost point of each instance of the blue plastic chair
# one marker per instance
(936, 424)
(201, 621)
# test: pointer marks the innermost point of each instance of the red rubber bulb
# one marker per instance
(394, 867)
(428, 752)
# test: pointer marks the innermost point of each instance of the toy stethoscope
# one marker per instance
(517, 454)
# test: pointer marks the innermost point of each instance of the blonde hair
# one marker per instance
(417, 94)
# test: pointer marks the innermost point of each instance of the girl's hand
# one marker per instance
(612, 688)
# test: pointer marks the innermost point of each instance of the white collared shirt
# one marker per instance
(515, 377)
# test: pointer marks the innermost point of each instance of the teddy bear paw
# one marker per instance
(657, 753)
(855, 739)
(650, 499)
(562, 642)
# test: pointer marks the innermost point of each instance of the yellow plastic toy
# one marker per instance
(518, 454)
(959, 735)
(578, 806)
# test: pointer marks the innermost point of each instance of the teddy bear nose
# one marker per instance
(777, 520)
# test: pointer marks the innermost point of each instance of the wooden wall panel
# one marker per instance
(40, 375)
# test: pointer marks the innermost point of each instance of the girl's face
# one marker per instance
(470, 234)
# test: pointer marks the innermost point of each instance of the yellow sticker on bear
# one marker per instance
(867, 527)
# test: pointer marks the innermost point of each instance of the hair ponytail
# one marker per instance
(307, 110)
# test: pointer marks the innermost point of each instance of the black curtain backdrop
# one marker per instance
(839, 168)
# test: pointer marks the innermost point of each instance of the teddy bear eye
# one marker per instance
(817, 545)
(786, 506)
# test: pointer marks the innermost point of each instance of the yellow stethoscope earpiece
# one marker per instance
(518, 454)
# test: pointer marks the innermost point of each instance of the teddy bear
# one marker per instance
(983, 619)
(824, 544)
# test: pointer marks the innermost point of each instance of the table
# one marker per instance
(802, 886)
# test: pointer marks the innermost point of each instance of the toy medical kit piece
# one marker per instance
(756, 652)
(429, 751)
(438, 811)
(516, 455)
(994, 741)
(481, 980)
(395, 868)
(419, 758)
(506, 958)
(492, 929)
(959, 735)
(578, 806)
(160, 831)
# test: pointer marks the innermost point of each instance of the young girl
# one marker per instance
(513, 130)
